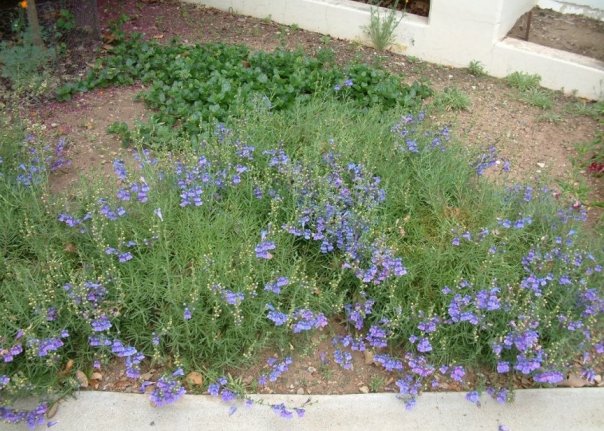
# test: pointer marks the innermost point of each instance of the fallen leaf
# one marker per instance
(97, 376)
(364, 389)
(147, 376)
(68, 366)
(70, 248)
(82, 379)
(574, 380)
(368, 357)
(194, 378)
(52, 410)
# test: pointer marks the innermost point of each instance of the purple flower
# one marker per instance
(388, 362)
(424, 345)
(233, 298)
(458, 373)
(551, 377)
(187, 314)
(305, 320)
(277, 317)
(119, 167)
(282, 411)
(377, 336)
(51, 314)
(167, 390)
(503, 367)
(101, 324)
(262, 250)
(473, 397)
(276, 285)
(343, 359)
(125, 257)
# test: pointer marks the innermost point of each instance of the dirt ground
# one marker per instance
(573, 33)
(537, 142)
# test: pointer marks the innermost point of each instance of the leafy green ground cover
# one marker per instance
(335, 202)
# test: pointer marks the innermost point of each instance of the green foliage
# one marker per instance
(537, 97)
(381, 27)
(589, 109)
(452, 99)
(64, 23)
(121, 129)
(24, 64)
(476, 68)
(191, 86)
(523, 81)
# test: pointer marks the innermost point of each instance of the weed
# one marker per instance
(476, 68)
(121, 129)
(413, 60)
(381, 27)
(550, 117)
(376, 384)
(452, 99)
(523, 81)
(594, 109)
(537, 97)
(326, 40)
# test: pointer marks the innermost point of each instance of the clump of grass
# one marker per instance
(382, 26)
(476, 68)
(537, 97)
(452, 99)
(589, 109)
(523, 81)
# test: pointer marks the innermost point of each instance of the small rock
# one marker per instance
(300, 391)
(97, 376)
(194, 378)
(541, 165)
(53, 125)
(312, 370)
(291, 386)
(364, 389)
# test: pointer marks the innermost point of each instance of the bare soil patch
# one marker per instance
(84, 121)
(573, 33)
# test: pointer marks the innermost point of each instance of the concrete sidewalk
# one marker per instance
(534, 409)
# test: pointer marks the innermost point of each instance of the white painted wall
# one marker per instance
(456, 32)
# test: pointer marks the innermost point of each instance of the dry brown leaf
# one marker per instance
(52, 410)
(82, 379)
(574, 380)
(97, 376)
(194, 378)
(368, 357)
(70, 248)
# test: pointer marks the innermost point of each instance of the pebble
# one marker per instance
(364, 389)
(300, 391)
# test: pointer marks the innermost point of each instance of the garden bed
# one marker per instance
(572, 33)
(313, 225)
